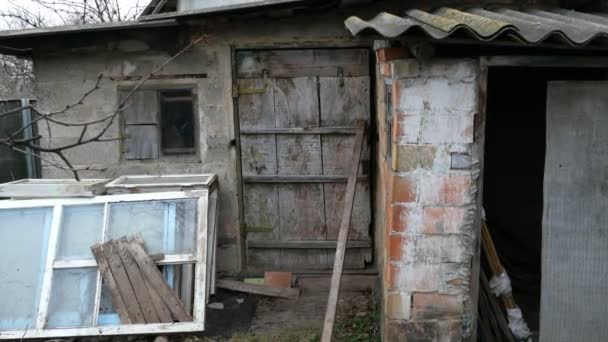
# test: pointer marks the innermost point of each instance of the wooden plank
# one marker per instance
(142, 142)
(548, 61)
(45, 188)
(280, 292)
(155, 278)
(344, 100)
(301, 212)
(307, 244)
(300, 130)
(256, 111)
(258, 155)
(349, 200)
(124, 285)
(298, 63)
(108, 277)
(294, 179)
(142, 108)
(575, 220)
(137, 281)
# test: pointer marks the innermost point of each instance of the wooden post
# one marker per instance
(349, 200)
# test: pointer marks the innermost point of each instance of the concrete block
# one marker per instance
(407, 128)
(423, 96)
(398, 305)
(455, 69)
(449, 330)
(415, 331)
(434, 305)
(411, 157)
(440, 249)
(447, 129)
(413, 277)
(450, 189)
(460, 161)
(405, 68)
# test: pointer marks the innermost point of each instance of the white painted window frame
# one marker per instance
(200, 259)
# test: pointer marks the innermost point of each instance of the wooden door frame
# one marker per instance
(234, 49)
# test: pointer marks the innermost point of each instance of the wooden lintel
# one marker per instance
(299, 179)
(306, 244)
(263, 290)
(300, 130)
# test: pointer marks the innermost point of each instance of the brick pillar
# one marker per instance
(430, 179)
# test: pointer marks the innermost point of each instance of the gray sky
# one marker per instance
(127, 5)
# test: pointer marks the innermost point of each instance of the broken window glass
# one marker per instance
(72, 301)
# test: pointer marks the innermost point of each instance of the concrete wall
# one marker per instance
(430, 199)
(61, 78)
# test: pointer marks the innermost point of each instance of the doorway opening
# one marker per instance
(514, 170)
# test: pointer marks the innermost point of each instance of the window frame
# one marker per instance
(191, 154)
(199, 258)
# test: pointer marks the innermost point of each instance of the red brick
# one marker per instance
(390, 54)
(443, 220)
(404, 189)
(397, 244)
(277, 279)
(401, 219)
(434, 305)
(452, 189)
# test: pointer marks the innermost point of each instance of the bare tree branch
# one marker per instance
(32, 146)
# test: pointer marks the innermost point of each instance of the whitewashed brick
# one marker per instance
(441, 248)
(447, 129)
(418, 277)
(398, 305)
(419, 96)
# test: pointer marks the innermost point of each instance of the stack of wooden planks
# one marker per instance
(139, 291)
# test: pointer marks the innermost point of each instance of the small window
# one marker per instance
(159, 123)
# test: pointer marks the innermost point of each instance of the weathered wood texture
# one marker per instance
(297, 63)
(263, 290)
(295, 138)
(575, 223)
(141, 142)
(139, 292)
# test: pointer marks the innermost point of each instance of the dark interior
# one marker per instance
(514, 169)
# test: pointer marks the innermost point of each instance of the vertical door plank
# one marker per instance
(343, 102)
(575, 223)
(301, 209)
(259, 157)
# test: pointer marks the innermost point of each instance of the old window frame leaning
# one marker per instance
(199, 258)
(154, 120)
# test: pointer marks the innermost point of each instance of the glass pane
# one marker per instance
(177, 121)
(167, 227)
(24, 235)
(80, 228)
(107, 313)
(72, 298)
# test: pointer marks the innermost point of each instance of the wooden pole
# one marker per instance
(349, 200)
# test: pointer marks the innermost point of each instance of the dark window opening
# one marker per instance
(177, 122)
(389, 121)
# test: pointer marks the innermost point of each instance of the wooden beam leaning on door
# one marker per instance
(349, 200)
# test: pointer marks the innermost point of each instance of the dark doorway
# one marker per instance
(513, 173)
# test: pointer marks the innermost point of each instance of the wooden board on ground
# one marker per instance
(263, 290)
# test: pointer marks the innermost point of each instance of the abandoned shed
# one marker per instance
(469, 107)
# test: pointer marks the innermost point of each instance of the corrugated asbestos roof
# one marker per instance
(530, 26)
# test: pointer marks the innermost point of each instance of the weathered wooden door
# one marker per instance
(297, 109)
(574, 292)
